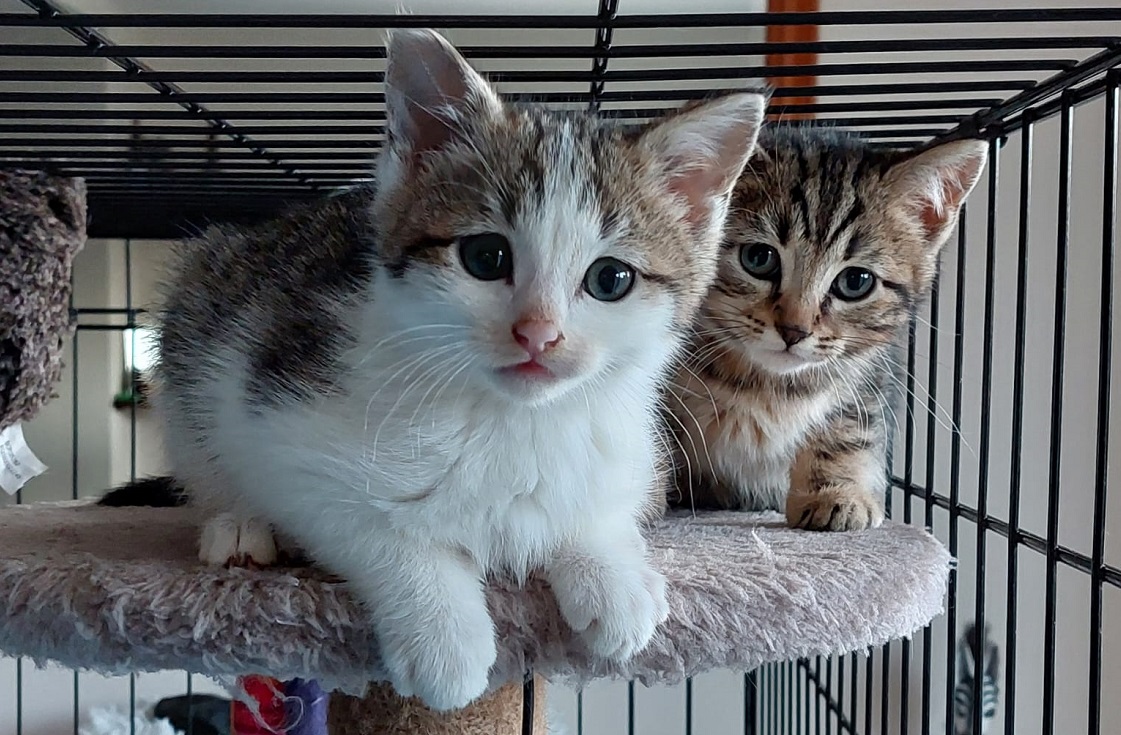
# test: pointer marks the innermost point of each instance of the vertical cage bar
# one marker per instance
(850, 716)
(829, 695)
(786, 697)
(772, 699)
(1105, 368)
(750, 702)
(909, 484)
(885, 687)
(800, 697)
(761, 709)
(1055, 460)
(928, 507)
(868, 678)
(630, 708)
(776, 697)
(1027, 133)
(807, 698)
(74, 476)
(819, 698)
(955, 461)
(985, 418)
(190, 705)
(854, 674)
(795, 701)
(905, 678)
(131, 436)
(580, 712)
(813, 703)
(689, 706)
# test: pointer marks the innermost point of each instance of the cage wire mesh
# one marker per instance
(179, 119)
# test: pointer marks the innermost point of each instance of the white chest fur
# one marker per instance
(504, 484)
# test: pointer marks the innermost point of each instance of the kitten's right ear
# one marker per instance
(705, 148)
(934, 183)
(430, 91)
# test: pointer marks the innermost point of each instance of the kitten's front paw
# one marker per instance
(229, 541)
(615, 608)
(445, 664)
(834, 509)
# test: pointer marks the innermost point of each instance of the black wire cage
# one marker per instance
(181, 118)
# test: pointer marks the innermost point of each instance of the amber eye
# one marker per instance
(853, 284)
(761, 261)
(486, 256)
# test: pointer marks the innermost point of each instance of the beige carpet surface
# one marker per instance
(118, 589)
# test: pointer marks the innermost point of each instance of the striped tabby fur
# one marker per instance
(787, 398)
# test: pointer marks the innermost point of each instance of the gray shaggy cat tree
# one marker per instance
(116, 590)
(42, 227)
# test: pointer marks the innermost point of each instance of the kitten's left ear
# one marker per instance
(705, 148)
(935, 183)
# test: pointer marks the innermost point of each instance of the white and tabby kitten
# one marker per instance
(830, 247)
(455, 373)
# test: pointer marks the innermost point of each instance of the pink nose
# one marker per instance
(536, 336)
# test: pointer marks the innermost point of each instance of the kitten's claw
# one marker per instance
(615, 608)
(230, 542)
(834, 509)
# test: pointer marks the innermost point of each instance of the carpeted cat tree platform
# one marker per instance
(119, 589)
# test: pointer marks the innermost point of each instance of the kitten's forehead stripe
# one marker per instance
(856, 208)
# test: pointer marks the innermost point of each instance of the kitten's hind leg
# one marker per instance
(230, 540)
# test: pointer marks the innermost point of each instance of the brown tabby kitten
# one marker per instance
(830, 247)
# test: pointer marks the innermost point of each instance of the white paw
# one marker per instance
(444, 663)
(616, 608)
(228, 541)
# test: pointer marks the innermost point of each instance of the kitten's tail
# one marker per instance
(153, 492)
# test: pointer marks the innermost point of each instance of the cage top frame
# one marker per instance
(167, 142)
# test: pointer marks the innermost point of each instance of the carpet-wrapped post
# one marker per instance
(42, 227)
(383, 712)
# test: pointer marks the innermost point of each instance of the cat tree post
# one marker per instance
(42, 228)
(118, 590)
(382, 712)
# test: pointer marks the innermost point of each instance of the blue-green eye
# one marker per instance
(486, 256)
(853, 284)
(761, 261)
(608, 279)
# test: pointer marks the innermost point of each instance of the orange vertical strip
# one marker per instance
(793, 34)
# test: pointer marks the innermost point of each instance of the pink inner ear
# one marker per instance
(936, 213)
(697, 186)
(430, 132)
